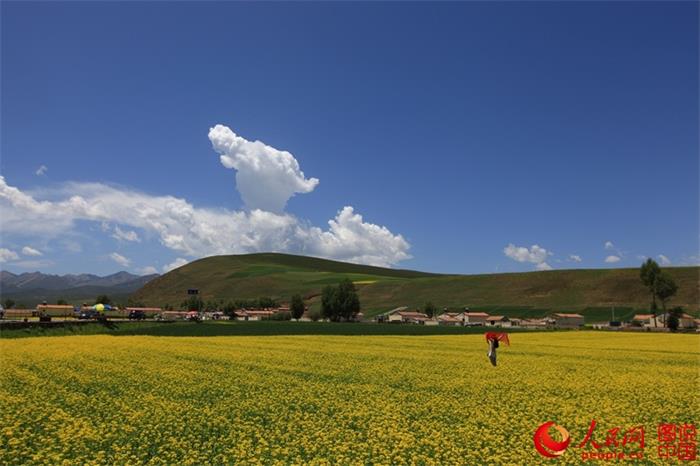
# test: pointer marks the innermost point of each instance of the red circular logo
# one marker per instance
(546, 445)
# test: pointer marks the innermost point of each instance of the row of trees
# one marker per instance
(195, 303)
(10, 303)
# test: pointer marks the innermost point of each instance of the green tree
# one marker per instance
(193, 303)
(648, 273)
(103, 299)
(296, 307)
(674, 316)
(329, 304)
(348, 300)
(341, 302)
(229, 309)
(266, 302)
(430, 310)
(9, 303)
(665, 288)
(61, 302)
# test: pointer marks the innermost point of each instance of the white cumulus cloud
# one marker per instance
(609, 245)
(119, 259)
(7, 255)
(574, 258)
(612, 259)
(179, 262)
(41, 170)
(30, 251)
(534, 254)
(197, 231)
(664, 260)
(266, 177)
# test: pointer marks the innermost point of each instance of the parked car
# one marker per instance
(88, 314)
(137, 315)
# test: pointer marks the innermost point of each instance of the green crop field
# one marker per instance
(532, 294)
(235, 328)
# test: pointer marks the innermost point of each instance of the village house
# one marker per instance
(414, 317)
(254, 314)
(607, 325)
(533, 323)
(385, 316)
(473, 318)
(498, 321)
(450, 319)
(403, 316)
(685, 321)
(645, 320)
(564, 320)
(20, 313)
(63, 310)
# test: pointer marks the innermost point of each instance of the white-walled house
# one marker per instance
(567, 320)
(449, 319)
(645, 320)
(684, 320)
(474, 318)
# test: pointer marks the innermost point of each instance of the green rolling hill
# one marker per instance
(593, 292)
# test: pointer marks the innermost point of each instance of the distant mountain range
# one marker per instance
(31, 288)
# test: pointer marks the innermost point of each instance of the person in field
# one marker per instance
(492, 338)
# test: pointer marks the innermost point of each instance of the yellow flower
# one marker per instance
(322, 400)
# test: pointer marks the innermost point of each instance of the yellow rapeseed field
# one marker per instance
(334, 399)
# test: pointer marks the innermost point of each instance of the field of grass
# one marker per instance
(534, 294)
(318, 399)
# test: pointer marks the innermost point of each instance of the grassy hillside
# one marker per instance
(594, 292)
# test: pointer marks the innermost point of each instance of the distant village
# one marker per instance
(554, 320)
(399, 316)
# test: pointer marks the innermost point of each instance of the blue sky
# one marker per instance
(464, 134)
